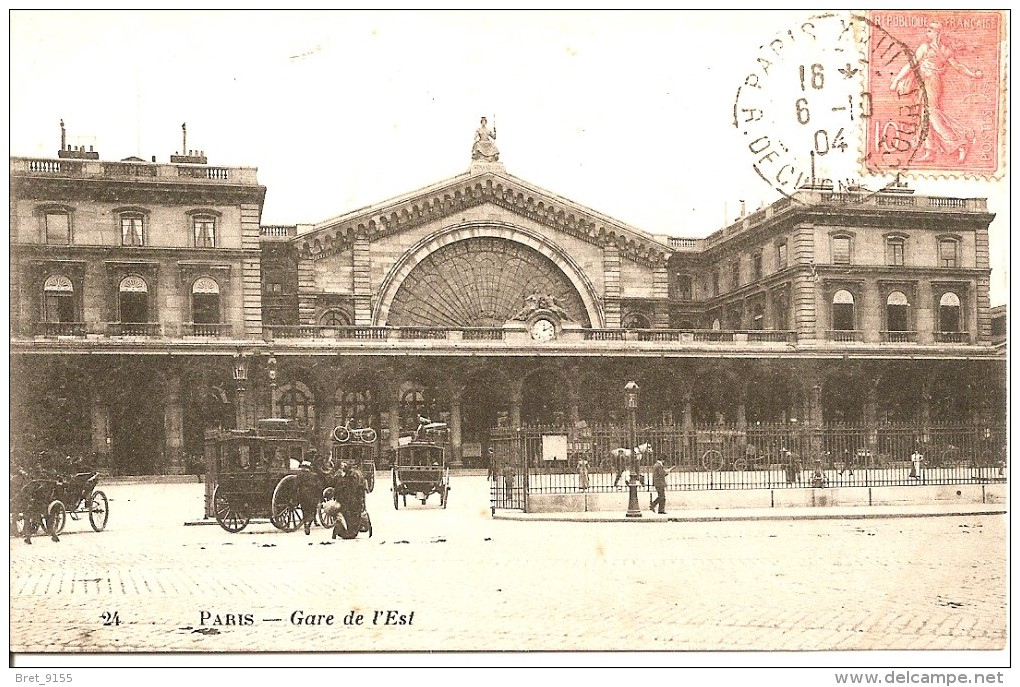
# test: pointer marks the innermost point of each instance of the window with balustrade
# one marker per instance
(636, 320)
(897, 312)
(58, 299)
(950, 318)
(205, 301)
(133, 300)
(844, 316)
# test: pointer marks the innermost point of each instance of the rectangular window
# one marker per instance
(756, 265)
(781, 255)
(947, 253)
(841, 250)
(205, 232)
(131, 231)
(58, 228)
(715, 283)
(894, 253)
(735, 276)
(273, 287)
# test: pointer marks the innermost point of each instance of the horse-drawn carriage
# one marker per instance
(253, 473)
(45, 498)
(419, 465)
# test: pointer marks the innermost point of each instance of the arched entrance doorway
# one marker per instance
(485, 404)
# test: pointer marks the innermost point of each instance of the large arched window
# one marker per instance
(134, 300)
(58, 305)
(949, 312)
(897, 312)
(358, 405)
(205, 301)
(843, 315)
(297, 404)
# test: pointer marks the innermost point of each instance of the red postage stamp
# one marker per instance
(937, 92)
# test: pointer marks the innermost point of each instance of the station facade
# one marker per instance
(150, 304)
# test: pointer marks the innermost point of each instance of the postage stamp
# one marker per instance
(940, 104)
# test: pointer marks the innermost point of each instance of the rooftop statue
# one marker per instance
(484, 147)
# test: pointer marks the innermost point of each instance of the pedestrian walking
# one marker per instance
(659, 472)
(848, 462)
(582, 473)
(792, 468)
(491, 474)
(916, 458)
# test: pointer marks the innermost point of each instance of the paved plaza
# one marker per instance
(455, 579)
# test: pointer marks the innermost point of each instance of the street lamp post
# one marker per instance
(631, 391)
(240, 377)
(271, 364)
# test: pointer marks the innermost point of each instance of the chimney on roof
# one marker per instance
(184, 136)
(63, 136)
(743, 209)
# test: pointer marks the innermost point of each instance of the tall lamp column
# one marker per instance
(631, 393)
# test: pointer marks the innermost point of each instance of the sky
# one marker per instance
(629, 113)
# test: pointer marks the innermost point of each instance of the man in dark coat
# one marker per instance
(659, 473)
(309, 489)
(350, 494)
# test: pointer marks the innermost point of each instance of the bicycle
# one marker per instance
(344, 433)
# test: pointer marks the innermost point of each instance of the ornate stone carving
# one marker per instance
(484, 147)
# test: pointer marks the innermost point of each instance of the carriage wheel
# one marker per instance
(286, 515)
(56, 518)
(341, 435)
(740, 464)
(99, 511)
(711, 460)
(370, 481)
(444, 496)
(324, 518)
(232, 516)
(396, 502)
(368, 435)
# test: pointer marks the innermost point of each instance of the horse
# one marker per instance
(622, 457)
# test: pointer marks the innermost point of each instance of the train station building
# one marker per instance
(149, 304)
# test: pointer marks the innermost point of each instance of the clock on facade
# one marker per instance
(543, 329)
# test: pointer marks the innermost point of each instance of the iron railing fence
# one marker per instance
(545, 459)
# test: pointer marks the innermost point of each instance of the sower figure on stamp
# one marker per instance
(659, 472)
(946, 134)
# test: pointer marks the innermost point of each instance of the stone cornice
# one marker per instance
(134, 191)
(455, 195)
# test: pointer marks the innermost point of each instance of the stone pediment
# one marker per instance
(484, 183)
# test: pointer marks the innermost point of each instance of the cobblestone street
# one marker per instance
(473, 583)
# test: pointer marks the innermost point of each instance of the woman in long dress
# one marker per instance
(582, 473)
(946, 134)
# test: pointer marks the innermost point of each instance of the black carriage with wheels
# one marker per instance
(253, 474)
(78, 495)
(420, 470)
